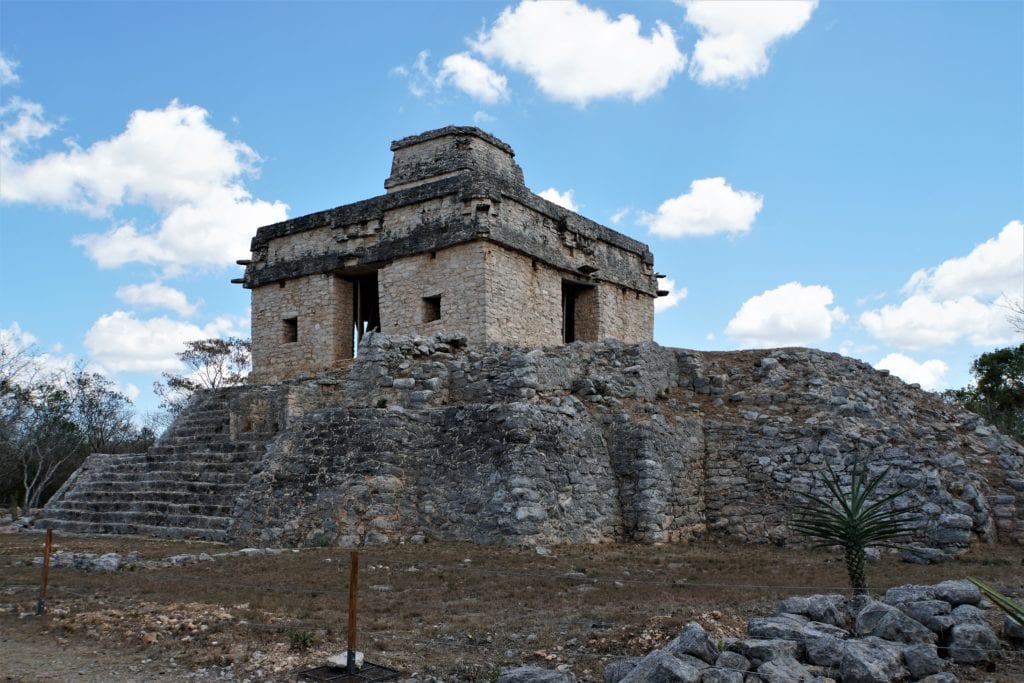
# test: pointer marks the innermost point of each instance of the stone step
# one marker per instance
(232, 457)
(183, 465)
(131, 528)
(219, 494)
(155, 519)
(130, 508)
(195, 488)
(158, 477)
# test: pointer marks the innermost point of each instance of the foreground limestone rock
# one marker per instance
(805, 650)
(426, 437)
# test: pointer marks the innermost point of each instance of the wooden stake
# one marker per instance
(353, 588)
(41, 603)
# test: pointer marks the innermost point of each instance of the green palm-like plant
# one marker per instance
(847, 518)
(1013, 609)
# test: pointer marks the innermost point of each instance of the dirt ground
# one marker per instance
(446, 611)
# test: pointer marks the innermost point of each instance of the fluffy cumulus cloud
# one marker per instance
(674, 296)
(966, 297)
(473, 77)
(994, 267)
(561, 198)
(736, 36)
(169, 160)
(921, 322)
(928, 374)
(711, 206)
(121, 342)
(577, 54)
(792, 314)
(156, 295)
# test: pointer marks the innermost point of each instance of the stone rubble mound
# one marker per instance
(424, 438)
(912, 634)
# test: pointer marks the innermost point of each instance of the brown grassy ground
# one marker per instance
(452, 611)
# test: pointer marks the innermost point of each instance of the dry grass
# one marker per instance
(453, 611)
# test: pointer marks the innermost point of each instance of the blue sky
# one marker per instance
(848, 176)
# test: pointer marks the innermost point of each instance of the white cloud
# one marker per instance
(928, 374)
(736, 35)
(921, 322)
(994, 267)
(121, 342)
(711, 206)
(8, 73)
(17, 347)
(156, 295)
(170, 160)
(674, 296)
(789, 315)
(473, 77)
(617, 217)
(21, 122)
(577, 54)
(962, 298)
(561, 198)
(131, 391)
(481, 117)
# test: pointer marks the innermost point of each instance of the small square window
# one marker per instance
(291, 330)
(431, 308)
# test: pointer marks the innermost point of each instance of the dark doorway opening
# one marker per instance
(578, 314)
(365, 308)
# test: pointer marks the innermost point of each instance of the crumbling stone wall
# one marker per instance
(434, 438)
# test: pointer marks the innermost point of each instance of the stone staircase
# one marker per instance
(183, 487)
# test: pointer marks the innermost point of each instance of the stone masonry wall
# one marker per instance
(625, 314)
(457, 275)
(321, 306)
(433, 438)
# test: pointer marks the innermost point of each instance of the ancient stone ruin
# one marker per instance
(506, 390)
(458, 243)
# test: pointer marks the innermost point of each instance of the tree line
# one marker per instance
(52, 419)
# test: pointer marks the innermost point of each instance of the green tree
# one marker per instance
(998, 390)
(51, 420)
(848, 518)
(209, 364)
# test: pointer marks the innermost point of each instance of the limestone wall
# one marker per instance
(456, 276)
(320, 309)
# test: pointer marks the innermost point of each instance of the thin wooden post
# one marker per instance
(353, 588)
(41, 603)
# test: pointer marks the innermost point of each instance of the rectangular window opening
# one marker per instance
(291, 330)
(431, 308)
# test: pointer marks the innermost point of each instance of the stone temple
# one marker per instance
(507, 390)
(457, 244)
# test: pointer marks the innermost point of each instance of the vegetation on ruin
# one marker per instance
(209, 364)
(848, 518)
(997, 393)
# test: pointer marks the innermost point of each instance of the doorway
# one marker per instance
(365, 308)
(579, 319)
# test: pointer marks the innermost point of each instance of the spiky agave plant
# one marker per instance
(849, 519)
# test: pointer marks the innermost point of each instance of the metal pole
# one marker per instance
(353, 588)
(41, 603)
